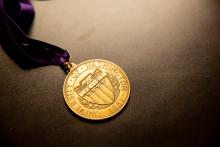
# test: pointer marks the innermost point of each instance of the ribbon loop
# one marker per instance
(16, 17)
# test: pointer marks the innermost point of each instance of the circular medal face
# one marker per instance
(96, 89)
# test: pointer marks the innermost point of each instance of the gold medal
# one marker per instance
(96, 89)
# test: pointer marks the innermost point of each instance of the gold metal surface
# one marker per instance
(96, 89)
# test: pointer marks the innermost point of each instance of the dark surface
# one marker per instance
(170, 51)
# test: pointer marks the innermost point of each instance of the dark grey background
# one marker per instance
(169, 50)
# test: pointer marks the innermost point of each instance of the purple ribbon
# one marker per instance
(16, 17)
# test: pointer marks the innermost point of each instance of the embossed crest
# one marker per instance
(97, 89)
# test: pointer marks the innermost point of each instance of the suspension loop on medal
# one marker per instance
(68, 66)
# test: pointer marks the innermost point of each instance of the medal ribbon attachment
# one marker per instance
(16, 17)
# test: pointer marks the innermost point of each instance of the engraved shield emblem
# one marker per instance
(98, 89)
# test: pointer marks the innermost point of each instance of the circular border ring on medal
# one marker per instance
(72, 98)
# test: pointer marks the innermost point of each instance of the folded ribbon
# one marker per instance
(16, 17)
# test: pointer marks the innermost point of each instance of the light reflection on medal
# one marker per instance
(96, 89)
